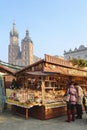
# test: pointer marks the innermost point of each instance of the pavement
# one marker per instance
(8, 121)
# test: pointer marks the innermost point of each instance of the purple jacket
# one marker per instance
(73, 94)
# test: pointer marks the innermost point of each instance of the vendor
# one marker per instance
(14, 84)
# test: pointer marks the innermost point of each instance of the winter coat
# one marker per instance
(79, 95)
(73, 94)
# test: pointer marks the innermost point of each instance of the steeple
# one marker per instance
(14, 32)
(27, 33)
(14, 35)
(14, 48)
(27, 37)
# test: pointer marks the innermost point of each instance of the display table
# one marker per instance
(20, 109)
(48, 111)
(38, 111)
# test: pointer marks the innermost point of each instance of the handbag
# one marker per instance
(66, 98)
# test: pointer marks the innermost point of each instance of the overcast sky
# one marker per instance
(54, 25)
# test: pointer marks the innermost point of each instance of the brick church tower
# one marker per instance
(13, 48)
(15, 56)
(27, 50)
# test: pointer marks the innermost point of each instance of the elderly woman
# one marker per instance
(72, 102)
(79, 101)
(85, 99)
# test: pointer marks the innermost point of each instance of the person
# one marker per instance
(14, 84)
(85, 99)
(79, 110)
(71, 103)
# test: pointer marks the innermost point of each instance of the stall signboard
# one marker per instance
(77, 72)
(63, 67)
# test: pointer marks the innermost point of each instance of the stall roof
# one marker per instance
(39, 73)
(54, 65)
(5, 70)
(27, 67)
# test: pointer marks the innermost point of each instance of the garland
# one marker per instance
(79, 62)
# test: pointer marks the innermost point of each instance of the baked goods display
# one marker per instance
(54, 96)
(34, 97)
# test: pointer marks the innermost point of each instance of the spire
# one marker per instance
(27, 37)
(27, 33)
(14, 27)
(14, 32)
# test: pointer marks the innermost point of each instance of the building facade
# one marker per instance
(78, 53)
(20, 56)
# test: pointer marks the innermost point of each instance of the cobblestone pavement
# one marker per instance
(8, 121)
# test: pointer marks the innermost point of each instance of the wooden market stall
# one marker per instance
(43, 85)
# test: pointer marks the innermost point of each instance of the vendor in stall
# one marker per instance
(14, 84)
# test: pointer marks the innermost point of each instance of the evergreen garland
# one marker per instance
(79, 62)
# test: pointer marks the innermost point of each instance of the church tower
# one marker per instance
(27, 50)
(13, 49)
(23, 55)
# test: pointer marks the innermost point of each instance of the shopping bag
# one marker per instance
(66, 98)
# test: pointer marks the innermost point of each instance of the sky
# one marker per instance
(54, 25)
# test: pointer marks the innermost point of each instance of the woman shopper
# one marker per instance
(85, 99)
(79, 111)
(71, 103)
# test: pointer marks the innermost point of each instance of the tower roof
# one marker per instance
(27, 37)
(14, 32)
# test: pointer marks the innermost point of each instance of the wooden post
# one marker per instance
(43, 91)
(26, 113)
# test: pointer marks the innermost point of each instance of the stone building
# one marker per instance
(78, 53)
(20, 56)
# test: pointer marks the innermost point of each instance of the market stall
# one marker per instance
(42, 86)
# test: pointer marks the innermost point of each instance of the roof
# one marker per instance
(6, 70)
(27, 67)
(51, 65)
(39, 73)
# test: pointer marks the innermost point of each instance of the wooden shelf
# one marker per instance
(51, 87)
